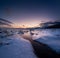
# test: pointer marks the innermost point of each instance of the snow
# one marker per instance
(51, 37)
(18, 48)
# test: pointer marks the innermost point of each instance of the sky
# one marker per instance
(29, 13)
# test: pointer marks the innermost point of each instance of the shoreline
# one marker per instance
(41, 50)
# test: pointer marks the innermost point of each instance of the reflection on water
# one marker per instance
(47, 36)
(51, 37)
(39, 33)
(35, 34)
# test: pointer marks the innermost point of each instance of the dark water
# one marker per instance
(51, 37)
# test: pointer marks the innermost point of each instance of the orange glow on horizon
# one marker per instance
(28, 22)
(24, 26)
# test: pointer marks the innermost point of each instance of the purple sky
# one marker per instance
(30, 12)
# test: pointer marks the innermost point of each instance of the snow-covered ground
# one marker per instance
(51, 37)
(17, 48)
(14, 46)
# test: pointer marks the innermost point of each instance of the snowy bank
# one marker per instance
(18, 48)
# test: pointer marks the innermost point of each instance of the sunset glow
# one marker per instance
(25, 14)
(24, 26)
